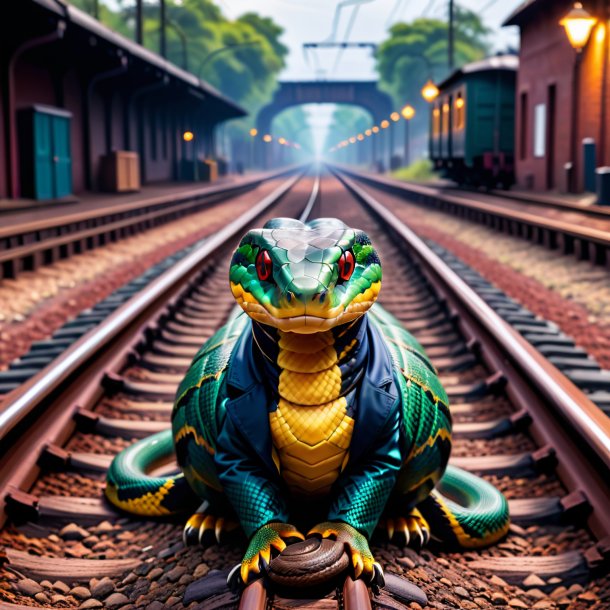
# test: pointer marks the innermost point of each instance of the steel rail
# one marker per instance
(85, 230)
(21, 402)
(137, 206)
(428, 195)
(568, 404)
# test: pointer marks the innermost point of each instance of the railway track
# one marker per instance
(562, 226)
(31, 244)
(518, 422)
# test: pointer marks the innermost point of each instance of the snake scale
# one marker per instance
(310, 413)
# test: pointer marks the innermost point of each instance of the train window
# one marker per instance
(436, 122)
(446, 108)
(459, 112)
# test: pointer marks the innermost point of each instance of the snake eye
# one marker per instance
(346, 265)
(263, 265)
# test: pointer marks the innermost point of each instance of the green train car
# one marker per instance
(472, 131)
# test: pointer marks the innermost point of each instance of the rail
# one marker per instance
(586, 242)
(28, 245)
(567, 404)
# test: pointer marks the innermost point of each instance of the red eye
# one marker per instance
(263, 265)
(346, 265)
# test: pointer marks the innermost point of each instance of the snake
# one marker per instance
(311, 413)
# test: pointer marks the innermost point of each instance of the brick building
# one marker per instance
(561, 97)
(74, 92)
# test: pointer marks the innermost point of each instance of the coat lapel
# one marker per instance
(377, 396)
(249, 410)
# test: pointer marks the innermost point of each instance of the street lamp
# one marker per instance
(267, 138)
(408, 112)
(430, 91)
(578, 24)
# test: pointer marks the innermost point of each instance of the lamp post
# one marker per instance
(189, 136)
(408, 112)
(578, 24)
(253, 134)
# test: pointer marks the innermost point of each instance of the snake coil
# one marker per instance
(310, 563)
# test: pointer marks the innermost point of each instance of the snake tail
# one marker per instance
(466, 511)
(130, 487)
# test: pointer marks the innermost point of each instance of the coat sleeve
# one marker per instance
(363, 489)
(255, 497)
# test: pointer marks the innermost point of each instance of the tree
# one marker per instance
(417, 51)
(293, 125)
(347, 121)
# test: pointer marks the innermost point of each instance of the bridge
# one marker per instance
(294, 93)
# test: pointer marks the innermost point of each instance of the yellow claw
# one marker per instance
(357, 563)
(249, 566)
(390, 528)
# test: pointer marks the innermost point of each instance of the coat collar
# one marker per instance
(249, 409)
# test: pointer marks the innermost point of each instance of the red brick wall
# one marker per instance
(546, 58)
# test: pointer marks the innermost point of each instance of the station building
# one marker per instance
(562, 97)
(85, 109)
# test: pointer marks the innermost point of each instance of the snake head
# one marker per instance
(305, 278)
(357, 545)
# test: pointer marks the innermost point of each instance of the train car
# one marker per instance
(472, 139)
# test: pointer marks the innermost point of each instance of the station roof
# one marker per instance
(521, 13)
(509, 63)
(75, 16)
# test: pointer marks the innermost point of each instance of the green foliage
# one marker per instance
(196, 29)
(419, 171)
(293, 124)
(400, 59)
(347, 121)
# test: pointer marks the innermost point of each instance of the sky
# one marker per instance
(361, 21)
(314, 21)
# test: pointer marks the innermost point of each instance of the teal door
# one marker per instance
(43, 157)
(61, 159)
(45, 152)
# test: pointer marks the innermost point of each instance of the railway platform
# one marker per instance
(22, 211)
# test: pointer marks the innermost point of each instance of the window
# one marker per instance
(446, 108)
(523, 127)
(459, 112)
(436, 122)
(540, 130)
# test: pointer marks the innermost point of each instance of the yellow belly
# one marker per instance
(311, 430)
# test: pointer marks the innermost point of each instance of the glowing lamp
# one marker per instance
(429, 91)
(282, 141)
(395, 117)
(578, 24)
(254, 132)
(368, 133)
(408, 112)
(375, 129)
(360, 137)
(385, 124)
(188, 136)
(352, 140)
(267, 138)
(459, 103)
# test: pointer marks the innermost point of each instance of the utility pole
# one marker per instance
(139, 36)
(451, 34)
(162, 20)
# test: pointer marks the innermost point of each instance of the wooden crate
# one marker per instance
(120, 172)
